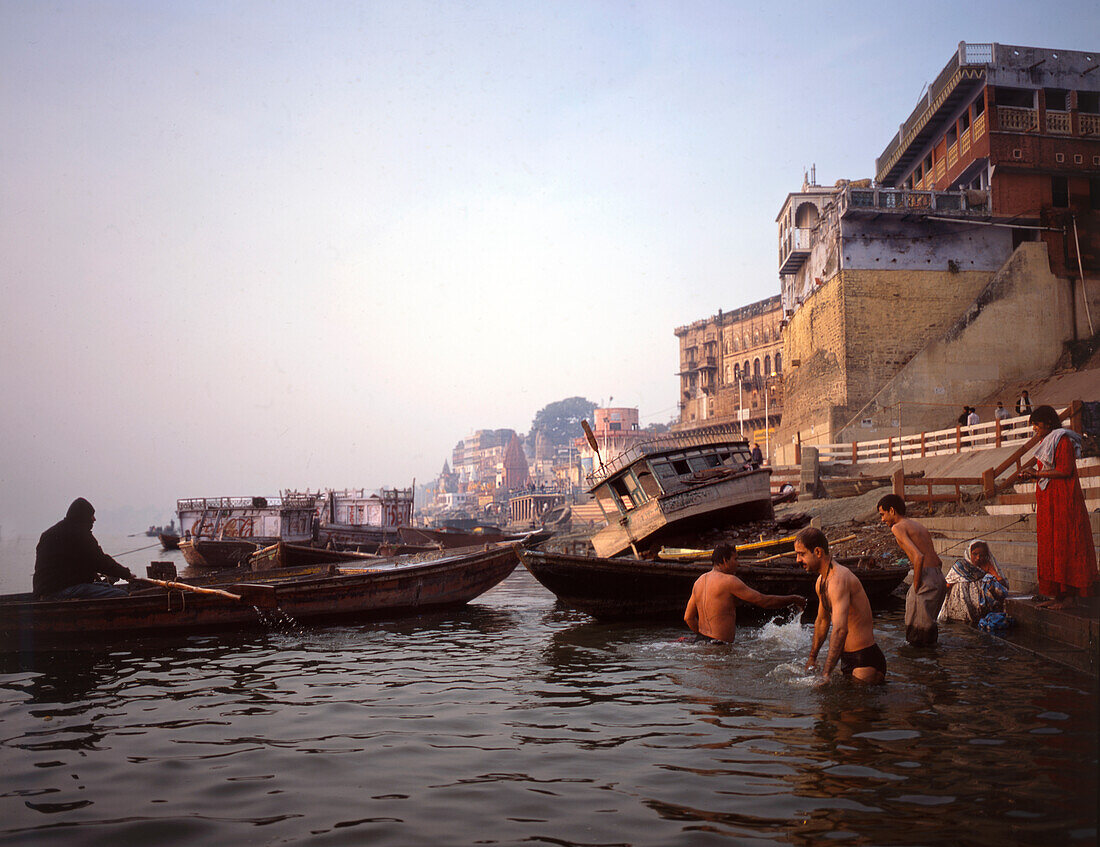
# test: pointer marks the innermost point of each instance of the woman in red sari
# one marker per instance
(1067, 556)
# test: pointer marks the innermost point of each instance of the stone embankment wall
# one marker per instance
(884, 353)
(1013, 330)
(856, 332)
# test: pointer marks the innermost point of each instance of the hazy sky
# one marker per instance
(249, 246)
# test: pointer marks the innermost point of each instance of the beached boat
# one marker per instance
(331, 593)
(610, 588)
(676, 482)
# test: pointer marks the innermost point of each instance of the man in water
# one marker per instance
(712, 609)
(845, 608)
(929, 588)
(69, 559)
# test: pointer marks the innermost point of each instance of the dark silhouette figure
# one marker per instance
(69, 559)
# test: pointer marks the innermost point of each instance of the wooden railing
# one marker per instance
(989, 484)
(920, 445)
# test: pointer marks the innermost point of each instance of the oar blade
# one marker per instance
(261, 596)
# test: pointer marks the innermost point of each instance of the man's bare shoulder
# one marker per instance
(843, 578)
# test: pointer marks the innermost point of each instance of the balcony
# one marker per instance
(1090, 124)
(794, 250)
(1057, 122)
(1016, 119)
(872, 202)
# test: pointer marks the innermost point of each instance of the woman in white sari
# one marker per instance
(975, 586)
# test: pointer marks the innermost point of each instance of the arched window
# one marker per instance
(779, 363)
(745, 370)
(806, 216)
(756, 369)
(767, 365)
(736, 372)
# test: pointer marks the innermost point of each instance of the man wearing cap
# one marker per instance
(69, 559)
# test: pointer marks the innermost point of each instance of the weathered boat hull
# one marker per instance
(631, 588)
(28, 624)
(169, 541)
(283, 555)
(216, 554)
(740, 497)
(451, 538)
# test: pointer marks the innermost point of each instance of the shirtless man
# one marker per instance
(929, 588)
(712, 609)
(845, 608)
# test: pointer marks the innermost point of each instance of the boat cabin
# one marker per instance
(666, 465)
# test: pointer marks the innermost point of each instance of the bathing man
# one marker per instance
(929, 588)
(712, 609)
(845, 608)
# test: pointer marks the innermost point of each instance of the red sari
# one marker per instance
(1067, 556)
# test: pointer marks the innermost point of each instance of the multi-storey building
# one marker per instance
(477, 459)
(1022, 123)
(616, 430)
(731, 367)
(957, 272)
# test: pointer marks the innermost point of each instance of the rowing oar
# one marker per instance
(781, 555)
(256, 595)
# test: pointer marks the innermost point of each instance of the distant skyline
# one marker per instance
(252, 246)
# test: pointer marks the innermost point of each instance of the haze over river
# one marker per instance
(515, 721)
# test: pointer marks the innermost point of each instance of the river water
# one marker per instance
(515, 721)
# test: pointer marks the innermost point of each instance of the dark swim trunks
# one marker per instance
(868, 657)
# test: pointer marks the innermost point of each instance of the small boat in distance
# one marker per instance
(676, 482)
(169, 541)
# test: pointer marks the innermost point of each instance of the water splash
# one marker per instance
(279, 621)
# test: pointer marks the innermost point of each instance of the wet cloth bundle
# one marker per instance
(922, 608)
(995, 622)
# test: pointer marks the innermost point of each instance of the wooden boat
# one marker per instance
(676, 482)
(283, 555)
(333, 593)
(169, 541)
(448, 537)
(631, 588)
(216, 554)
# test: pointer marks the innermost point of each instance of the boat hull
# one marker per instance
(216, 554)
(27, 624)
(630, 588)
